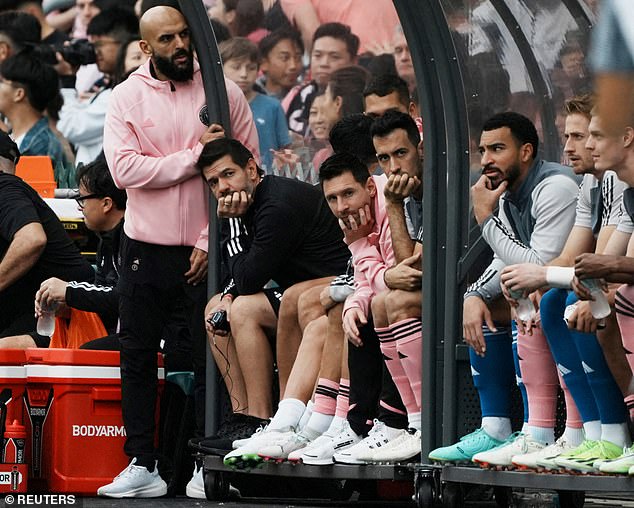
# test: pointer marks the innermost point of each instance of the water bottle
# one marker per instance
(599, 306)
(46, 322)
(525, 309)
(569, 311)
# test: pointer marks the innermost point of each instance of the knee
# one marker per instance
(290, 300)
(551, 306)
(242, 309)
(377, 307)
(400, 305)
(309, 306)
(17, 342)
(215, 300)
(552, 298)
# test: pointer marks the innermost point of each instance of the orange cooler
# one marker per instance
(73, 408)
(13, 377)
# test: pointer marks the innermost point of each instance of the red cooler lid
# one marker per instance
(12, 356)
(60, 356)
(46, 356)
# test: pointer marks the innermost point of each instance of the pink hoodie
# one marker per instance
(372, 255)
(151, 143)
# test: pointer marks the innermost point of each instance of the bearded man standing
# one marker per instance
(155, 129)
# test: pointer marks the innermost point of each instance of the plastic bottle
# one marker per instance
(599, 306)
(569, 311)
(525, 309)
(14, 442)
(46, 322)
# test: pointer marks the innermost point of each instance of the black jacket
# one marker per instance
(288, 235)
(101, 296)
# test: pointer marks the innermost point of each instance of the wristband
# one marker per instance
(560, 276)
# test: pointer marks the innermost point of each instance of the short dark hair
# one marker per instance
(21, 28)
(339, 163)
(392, 120)
(221, 31)
(522, 129)
(348, 83)
(385, 84)
(249, 17)
(103, 5)
(218, 148)
(120, 73)
(378, 65)
(341, 32)
(117, 22)
(352, 134)
(40, 80)
(13, 5)
(238, 48)
(271, 40)
(96, 177)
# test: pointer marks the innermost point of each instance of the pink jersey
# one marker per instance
(372, 255)
(151, 144)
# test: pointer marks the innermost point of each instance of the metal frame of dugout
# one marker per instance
(456, 95)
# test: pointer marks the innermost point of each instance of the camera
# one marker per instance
(218, 321)
(77, 52)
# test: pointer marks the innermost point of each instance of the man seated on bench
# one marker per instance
(274, 228)
(86, 310)
(103, 207)
(33, 247)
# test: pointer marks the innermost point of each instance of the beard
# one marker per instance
(511, 176)
(169, 69)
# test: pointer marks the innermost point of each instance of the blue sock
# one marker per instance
(518, 371)
(607, 394)
(562, 346)
(493, 375)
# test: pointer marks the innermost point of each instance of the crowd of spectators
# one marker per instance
(319, 199)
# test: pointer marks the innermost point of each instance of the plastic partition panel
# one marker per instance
(522, 55)
(445, 137)
(218, 112)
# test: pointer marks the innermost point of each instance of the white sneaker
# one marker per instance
(535, 460)
(406, 445)
(502, 456)
(247, 455)
(295, 442)
(135, 481)
(359, 453)
(196, 486)
(327, 446)
(238, 443)
(296, 456)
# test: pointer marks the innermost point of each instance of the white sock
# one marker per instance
(335, 425)
(306, 415)
(413, 421)
(592, 430)
(497, 427)
(289, 413)
(574, 436)
(544, 435)
(319, 423)
(616, 433)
